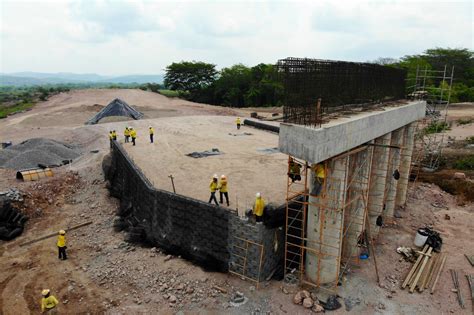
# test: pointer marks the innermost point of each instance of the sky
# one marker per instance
(143, 37)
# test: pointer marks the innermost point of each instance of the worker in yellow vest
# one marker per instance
(114, 135)
(152, 132)
(133, 134)
(237, 121)
(319, 175)
(213, 188)
(48, 302)
(223, 192)
(258, 207)
(126, 133)
(62, 245)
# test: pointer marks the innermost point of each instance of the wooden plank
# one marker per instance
(437, 275)
(55, 234)
(423, 264)
(414, 268)
(426, 273)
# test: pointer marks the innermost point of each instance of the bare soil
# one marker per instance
(104, 274)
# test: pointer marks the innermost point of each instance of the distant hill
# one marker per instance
(39, 78)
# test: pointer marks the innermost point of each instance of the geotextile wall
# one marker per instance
(196, 230)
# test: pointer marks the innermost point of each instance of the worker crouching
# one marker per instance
(62, 245)
(48, 302)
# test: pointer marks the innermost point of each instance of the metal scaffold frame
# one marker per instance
(343, 195)
(430, 144)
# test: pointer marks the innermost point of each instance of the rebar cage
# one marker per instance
(337, 84)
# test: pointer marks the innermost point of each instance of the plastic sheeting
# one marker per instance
(115, 108)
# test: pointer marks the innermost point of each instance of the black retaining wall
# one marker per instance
(196, 230)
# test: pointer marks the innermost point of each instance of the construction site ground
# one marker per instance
(104, 274)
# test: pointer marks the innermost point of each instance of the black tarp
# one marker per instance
(115, 108)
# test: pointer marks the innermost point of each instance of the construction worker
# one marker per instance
(213, 188)
(223, 189)
(48, 302)
(319, 174)
(258, 207)
(294, 170)
(62, 245)
(152, 132)
(237, 121)
(126, 133)
(114, 135)
(133, 134)
(111, 138)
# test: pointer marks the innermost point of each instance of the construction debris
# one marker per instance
(455, 277)
(12, 220)
(470, 258)
(470, 280)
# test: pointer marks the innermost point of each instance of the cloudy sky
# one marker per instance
(130, 37)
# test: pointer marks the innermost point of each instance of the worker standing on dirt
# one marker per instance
(152, 132)
(126, 133)
(223, 189)
(258, 207)
(62, 245)
(319, 174)
(294, 171)
(111, 138)
(133, 134)
(213, 188)
(114, 135)
(237, 121)
(48, 302)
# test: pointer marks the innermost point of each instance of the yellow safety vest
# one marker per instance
(152, 131)
(133, 133)
(48, 303)
(319, 170)
(258, 207)
(223, 186)
(213, 186)
(126, 132)
(61, 240)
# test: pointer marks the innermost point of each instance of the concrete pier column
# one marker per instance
(405, 163)
(325, 224)
(394, 164)
(378, 177)
(357, 182)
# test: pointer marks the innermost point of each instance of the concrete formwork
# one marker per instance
(325, 224)
(378, 177)
(405, 164)
(394, 164)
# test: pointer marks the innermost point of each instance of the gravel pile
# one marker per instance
(37, 152)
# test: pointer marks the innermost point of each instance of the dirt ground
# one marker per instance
(247, 167)
(104, 274)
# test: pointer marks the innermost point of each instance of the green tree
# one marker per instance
(190, 76)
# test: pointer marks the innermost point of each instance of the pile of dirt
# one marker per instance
(37, 152)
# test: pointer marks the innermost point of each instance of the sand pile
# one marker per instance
(37, 152)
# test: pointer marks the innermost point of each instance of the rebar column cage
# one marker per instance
(339, 85)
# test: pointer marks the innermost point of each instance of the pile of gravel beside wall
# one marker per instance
(37, 152)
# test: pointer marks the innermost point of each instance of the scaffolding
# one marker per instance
(336, 217)
(433, 86)
(241, 267)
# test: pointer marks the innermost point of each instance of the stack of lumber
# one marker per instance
(426, 271)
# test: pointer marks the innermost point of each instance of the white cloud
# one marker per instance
(119, 37)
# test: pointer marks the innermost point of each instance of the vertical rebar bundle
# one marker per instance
(337, 83)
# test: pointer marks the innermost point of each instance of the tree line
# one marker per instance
(259, 86)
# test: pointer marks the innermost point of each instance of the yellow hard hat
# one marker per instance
(62, 232)
(45, 292)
